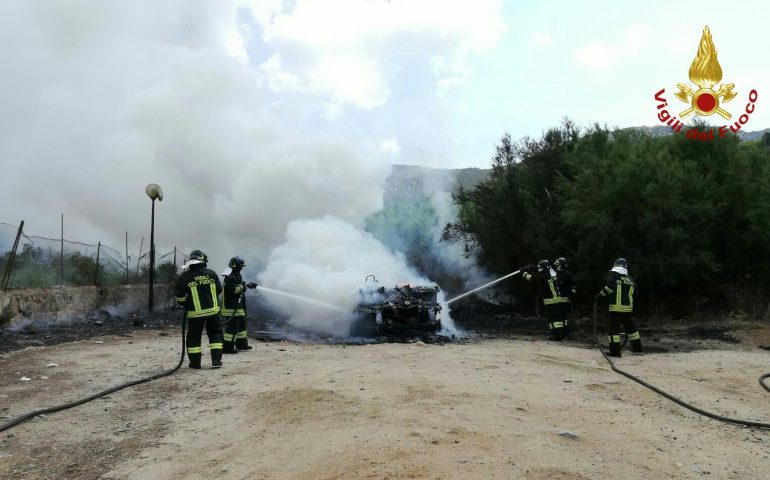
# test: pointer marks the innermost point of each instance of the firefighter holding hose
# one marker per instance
(620, 288)
(198, 290)
(234, 307)
(567, 289)
(545, 279)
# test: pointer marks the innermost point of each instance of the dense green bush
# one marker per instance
(692, 217)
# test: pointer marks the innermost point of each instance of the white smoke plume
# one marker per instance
(253, 116)
(249, 114)
(328, 259)
(439, 186)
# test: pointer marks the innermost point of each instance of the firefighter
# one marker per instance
(197, 290)
(619, 288)
(234, 307)
(567, 290)
(545, 279)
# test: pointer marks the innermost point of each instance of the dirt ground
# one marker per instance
(500, 408)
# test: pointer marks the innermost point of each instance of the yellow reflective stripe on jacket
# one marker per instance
(214, 298)
(181, 299)
(203, 313)
(552, 286)
(551, 301)
(527, 276)
(622, 308)
(227, 312)
(196, 300)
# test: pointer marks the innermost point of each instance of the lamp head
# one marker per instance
(154, 191)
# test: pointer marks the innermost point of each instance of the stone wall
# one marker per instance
(55, 304)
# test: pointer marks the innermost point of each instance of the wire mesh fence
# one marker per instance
(42, 262)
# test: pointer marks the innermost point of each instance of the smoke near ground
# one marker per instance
(417, 205)
(328, 259)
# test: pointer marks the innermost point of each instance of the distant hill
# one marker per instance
(407, 181)
(661, 130)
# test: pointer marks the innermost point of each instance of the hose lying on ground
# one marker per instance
(667, 395)
(103, 393)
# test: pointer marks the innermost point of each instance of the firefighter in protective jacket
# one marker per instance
(547, 284)
(567, 289)
(234, 307)
(197, 290)
(620, 288)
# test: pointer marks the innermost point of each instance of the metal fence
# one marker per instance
(33, 261)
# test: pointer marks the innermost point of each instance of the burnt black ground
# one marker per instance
(494, 321)
(479, 320)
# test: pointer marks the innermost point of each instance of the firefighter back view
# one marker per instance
(620, 289)
(234, 307)
(197, 290)
(545, 280)
(567, 291)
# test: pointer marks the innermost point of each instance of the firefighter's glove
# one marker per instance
(251, 285)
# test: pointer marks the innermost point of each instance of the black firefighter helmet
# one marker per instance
(560, 264)
(199, 256)
(621, 262)
(236, 263)
(543, 265)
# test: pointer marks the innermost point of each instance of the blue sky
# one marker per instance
(593, 61)
(525, 85)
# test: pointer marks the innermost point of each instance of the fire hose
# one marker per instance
(667, 395)
(114, 389)
(103, 393)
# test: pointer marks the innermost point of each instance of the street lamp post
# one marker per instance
(153, 191)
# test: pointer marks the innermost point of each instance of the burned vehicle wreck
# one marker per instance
(402, 311)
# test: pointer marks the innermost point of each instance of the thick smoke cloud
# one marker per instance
(253, 116)
(238, 109)
(328, 259)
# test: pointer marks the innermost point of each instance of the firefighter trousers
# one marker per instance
(616, 319)
(236, 335)
(194, 333)
(565, 315)
(553, 314)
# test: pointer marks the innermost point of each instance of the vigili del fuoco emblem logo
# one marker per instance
(704, 98)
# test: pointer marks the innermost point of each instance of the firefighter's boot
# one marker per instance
(636, 342)
(195, 360)
(556, 331)
(229, 343)
(242, 342)
(216, 358)
(615, 346)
